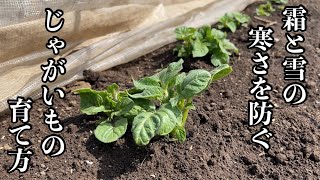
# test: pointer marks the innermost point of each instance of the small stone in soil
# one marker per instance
(306, 152)
(276, 105)
(281, 158)
(227, 134)
(152, 175)
(119, 142)
(89, 162)
(68, 108)
(311, 84)
(73, 103)
(6, 147)
(290, 155)
(315, 156)
(317, 105)
(207, 107)
(220, 113)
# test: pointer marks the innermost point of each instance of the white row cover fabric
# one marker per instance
(100, 34)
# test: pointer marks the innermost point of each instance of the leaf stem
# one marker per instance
(181, 104)
(185, 117)
(115, 95)
(185, 113)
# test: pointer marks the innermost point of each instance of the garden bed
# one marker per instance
(218, 141)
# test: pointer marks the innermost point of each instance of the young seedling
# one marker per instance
(156, 106)
(233, 20)
(267, 8)
(204, 41)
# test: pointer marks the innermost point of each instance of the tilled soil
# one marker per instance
(218, 143)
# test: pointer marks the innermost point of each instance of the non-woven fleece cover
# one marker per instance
(100, 34)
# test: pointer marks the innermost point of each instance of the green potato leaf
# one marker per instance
(108, 132)
(204, 33)
(146, 83)
(168, 121)
(91, 102)
(279, 1)
(144, 128)
(241, 18)
(180, 134)
(223, 20)
(169, 74)
(151, 92)
(182, 51)
(265, 9)
(109, 101)
(227, 45)
(190, 106)
(221, 72)
(145, 104)
(114, 90)
(232, 26)
(180, 78)
(184, 33)
(217, 34)
(233, 20)
(174, 101)
(140, 105)
(124, 106)
(177, 112)
(194, 83)
(199, 49)
(219, 58)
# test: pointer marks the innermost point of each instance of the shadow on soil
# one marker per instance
(117, 158)
(114, 159)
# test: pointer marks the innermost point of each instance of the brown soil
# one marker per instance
(218, 144)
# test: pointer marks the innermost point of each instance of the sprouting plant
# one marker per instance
(233, 20)
(279, 1)
(156, 106)
(267, 8)
(204, 41)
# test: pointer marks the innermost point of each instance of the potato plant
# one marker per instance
(204, 41)
(156, 106)
(233, 20)
(269, 6)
